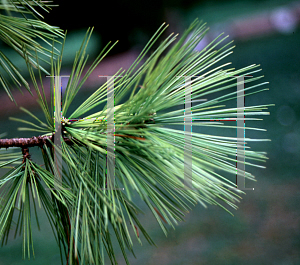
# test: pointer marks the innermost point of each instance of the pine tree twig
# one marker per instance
(24, 142)
(82, 217)
(29, 142)
(43, 140)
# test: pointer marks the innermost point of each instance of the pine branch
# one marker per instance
(29, 142)
(149, 156)
(44, 139)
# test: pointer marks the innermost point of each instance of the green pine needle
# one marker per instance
(149, 153)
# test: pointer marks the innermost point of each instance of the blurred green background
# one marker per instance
(266, 227)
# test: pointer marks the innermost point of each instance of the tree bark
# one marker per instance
(29, 142)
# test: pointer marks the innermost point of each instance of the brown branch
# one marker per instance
(43, 140)
(29, 142)
(25, 143)
(25, 152)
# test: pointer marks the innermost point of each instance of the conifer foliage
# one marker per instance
(84, 213)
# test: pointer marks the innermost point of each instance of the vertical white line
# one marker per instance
(188, 118)
(57, 135)
(188, 134)
(240, 134)
(110, 156)
(110, 133)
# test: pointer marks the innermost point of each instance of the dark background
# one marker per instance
(131, 22)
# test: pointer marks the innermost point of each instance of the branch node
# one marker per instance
(25, 152)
